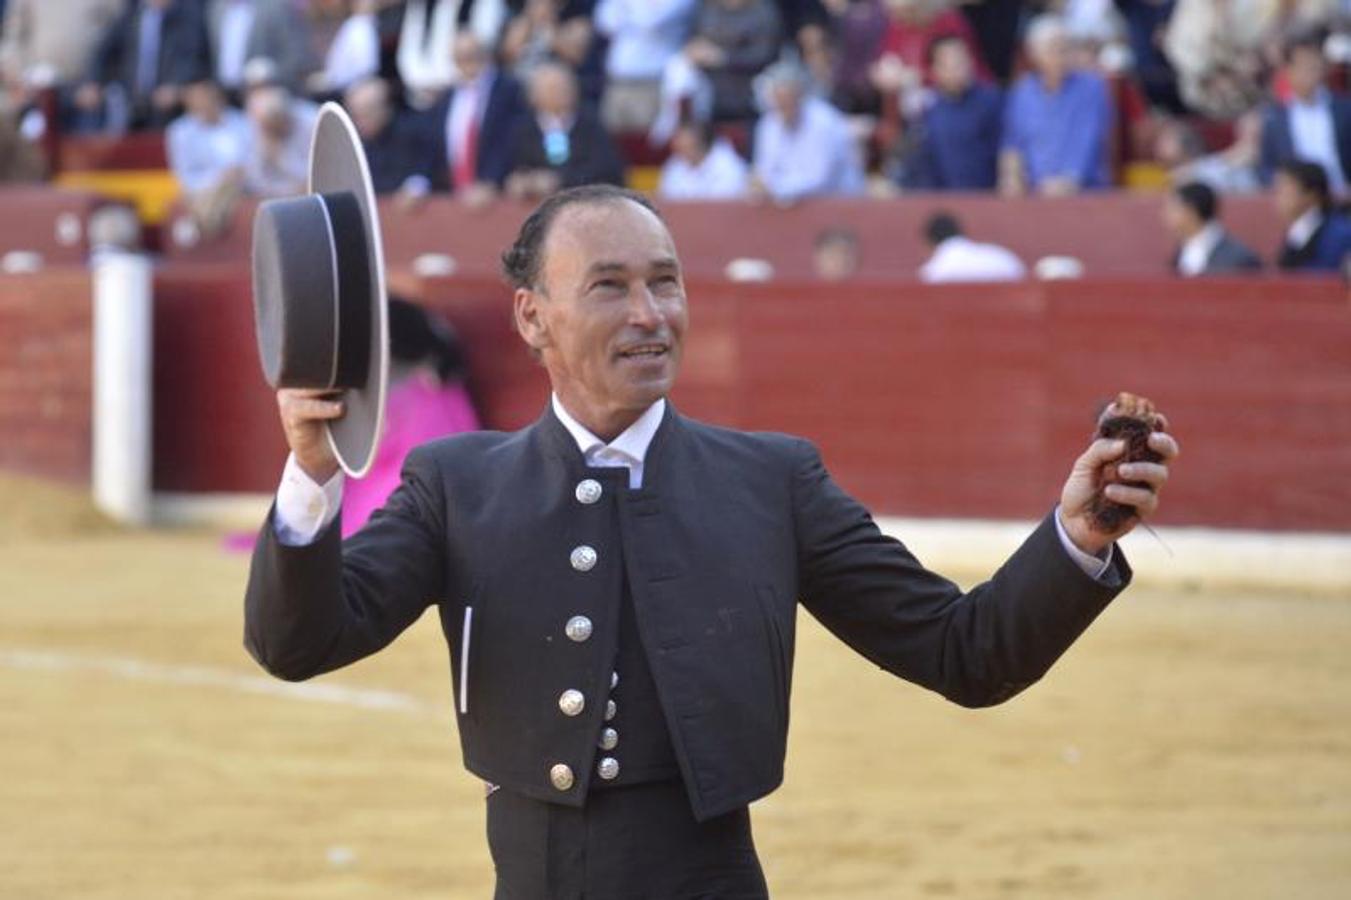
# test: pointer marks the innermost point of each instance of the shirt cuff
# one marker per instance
(304, 507)
(1094, 566)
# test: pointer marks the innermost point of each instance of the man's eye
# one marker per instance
(610, 284)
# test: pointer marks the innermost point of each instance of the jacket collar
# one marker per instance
(561, 442)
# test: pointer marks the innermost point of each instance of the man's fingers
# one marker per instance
(1143, 499)
(1101, 451)
(1164, 443)
(1153, 474)
(303, 409)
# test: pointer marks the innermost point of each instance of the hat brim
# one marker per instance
(338, 163)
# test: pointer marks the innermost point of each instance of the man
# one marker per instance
(835, 253)
(959, 128)
(958, 258)
(562, 144)
(803, 145)
(1316, 238)
(1056, 122)
(1191, 214)
(644, 35)
(141, 64)
(618, 583)
(208, 147)
(397, 149)
(279, 147)
(242, 30)
(44, 43)
(1314, 124)
(472, 124)
(702, 166)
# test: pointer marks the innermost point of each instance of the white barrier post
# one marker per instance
(123, 330)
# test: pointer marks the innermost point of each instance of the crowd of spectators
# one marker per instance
(777, 100)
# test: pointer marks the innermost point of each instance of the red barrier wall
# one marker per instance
(936, 401)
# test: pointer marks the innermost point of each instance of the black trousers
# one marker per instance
(628, 843)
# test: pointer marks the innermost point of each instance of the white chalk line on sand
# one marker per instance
(225, 679)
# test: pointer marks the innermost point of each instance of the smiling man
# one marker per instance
(618, 584)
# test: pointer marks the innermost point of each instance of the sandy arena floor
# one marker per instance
(1190, 746)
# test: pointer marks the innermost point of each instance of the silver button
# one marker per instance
(609, 739)
(614, 680)
(571, 702)
(561, 776)
(588, 491)
(610, 710)
(608, 768)
(584, 558)
(578, 628)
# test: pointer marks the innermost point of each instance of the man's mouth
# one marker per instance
(650, 350)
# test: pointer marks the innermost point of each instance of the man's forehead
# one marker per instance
(612, 232)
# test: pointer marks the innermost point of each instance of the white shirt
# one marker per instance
(1196, 251)
(819, 156)
(236, 25)
(721, 175)
(961, 259)
(200, 153)
(644, 35)
(304, 509)
(1303, 228)
(354, 53)
(1315, 138)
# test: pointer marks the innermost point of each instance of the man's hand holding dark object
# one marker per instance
(303, 414)
(1107, 468)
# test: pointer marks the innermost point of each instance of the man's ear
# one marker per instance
(530, 321)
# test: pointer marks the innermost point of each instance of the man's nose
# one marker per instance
(644, 310)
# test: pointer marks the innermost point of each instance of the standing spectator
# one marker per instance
(733, 41)
(1056, 122)
(1216, 49)
(141, 65)
(561, 144)
(208, 148)
(397, 149)
(346, 35)
(1191, 213)
(45, 43)
(957, 258)
(644, 35)
(1146, 24)
(242, 30)
(425, 39)
(548, 30)
(473, 124)
(803, 145)
(1316, 238)
(1314, 124)
(279, 146)
(957, 141)
(702, 166)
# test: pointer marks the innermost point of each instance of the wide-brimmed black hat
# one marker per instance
(319, 289)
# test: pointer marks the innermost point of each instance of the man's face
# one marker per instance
(1177, 217)
(952, 69)
(1306, 71)
(787, 100)
(203, 101)
(609, 317)
(468, 55)
(688, 144)
(553, 92)
(1051, 55)
(369, 106)
(1290, 200)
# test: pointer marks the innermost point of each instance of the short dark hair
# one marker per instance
(931, 51)
(1310, 39)
(522, 261)
(1311, 178)
(702, 129)
(941, 226)
(1199, 198)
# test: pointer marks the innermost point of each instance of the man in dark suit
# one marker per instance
(1314, 124)
(243, 30)
(618, 584)
(1191, 213)
(473, 124)
(1317, 238)
(397, 148)
(561, 144)
(141, 65)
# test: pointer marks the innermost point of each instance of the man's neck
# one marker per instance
(606, 424)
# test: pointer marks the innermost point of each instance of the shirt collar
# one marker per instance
(1204, 241)
(632, 443)
(1303, 228)
(1320, 99)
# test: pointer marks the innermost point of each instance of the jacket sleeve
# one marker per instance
(312, 609)
(976, 648)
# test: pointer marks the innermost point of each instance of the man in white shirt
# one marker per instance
(208, 148)
(703, 166)
(644, 35)
(1191, 212)
(804, 147)
(957, 258)
(1314, 124)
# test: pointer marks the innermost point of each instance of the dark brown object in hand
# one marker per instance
(1132, 419)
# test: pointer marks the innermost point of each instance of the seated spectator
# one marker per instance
(835, 254)
(560, 144)
(141, 64)
(208, 147)
(1056, 121)
(1316, 237)
(803, 146)
(425, 40)
(954, 144)
(703, 166)
(644, 35)
(547, 30)
(279, 147)
(346, 36)
(1191, 214)
(473, 124)
(397, 149)
(44, 43)
(241, 30)
(957, 258)
(902, 56)
(1314, 124)
(733, 41)
(1179, 148)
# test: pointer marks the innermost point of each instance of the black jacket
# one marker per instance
(502, 116)
(591, 155)
(730, 531)
(183, 54)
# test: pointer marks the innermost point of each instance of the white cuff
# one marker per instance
(1094, 566)
(304, 507)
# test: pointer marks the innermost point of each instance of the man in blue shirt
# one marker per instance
(1056, 122)
(956, 138)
